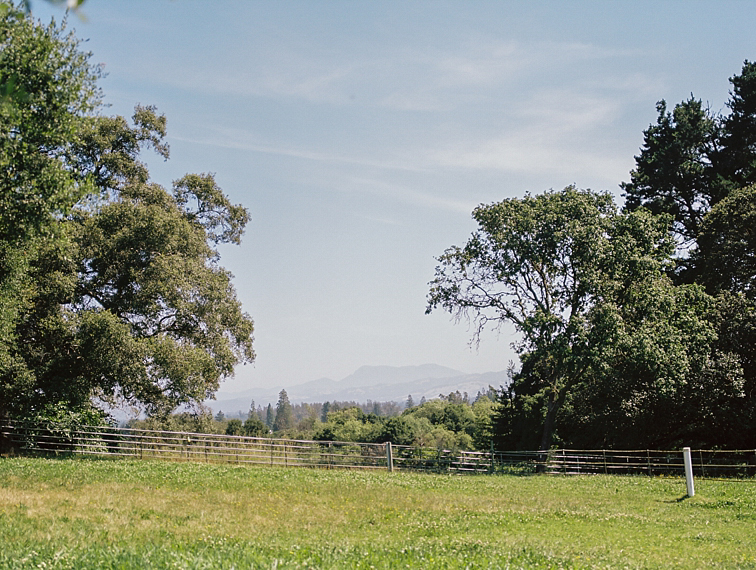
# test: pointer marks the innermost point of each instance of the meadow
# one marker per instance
(78, 513)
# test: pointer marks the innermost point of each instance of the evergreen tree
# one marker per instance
(284, 416)
(324, 412)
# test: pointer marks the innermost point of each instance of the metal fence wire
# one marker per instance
(100, 441)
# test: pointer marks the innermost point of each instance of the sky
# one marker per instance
(360, 135)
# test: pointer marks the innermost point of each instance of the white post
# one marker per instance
(688, 471)
(389, 457)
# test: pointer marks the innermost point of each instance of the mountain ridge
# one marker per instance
(376, 383)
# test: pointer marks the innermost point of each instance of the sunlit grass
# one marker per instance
(130, 514)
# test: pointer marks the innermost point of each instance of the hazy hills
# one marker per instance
(376, 383)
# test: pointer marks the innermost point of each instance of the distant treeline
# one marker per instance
(453, 421)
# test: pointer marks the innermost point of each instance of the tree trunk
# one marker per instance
(548, 423)
(552, 405)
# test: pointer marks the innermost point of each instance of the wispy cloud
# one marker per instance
(233, 141)
(375, 184)
(402, 77)
(407, 194)
(525, 152)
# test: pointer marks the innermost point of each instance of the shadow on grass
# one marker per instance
(678, 500)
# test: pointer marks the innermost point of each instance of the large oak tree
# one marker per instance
(110, 285)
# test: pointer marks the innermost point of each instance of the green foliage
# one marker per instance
(484, 410)
(234, 427)
(350, 424)
(50, 88)
(445, 423)
(548, 264)
(198, 421)
(110, 286)
(737, 156)
(205, 205)
(673, 173)
(612, 353)
(254, 427)
(727, 242)
(402, 430)
(664, 384)
(700, 167)
(57, 423)
(691, 160)
(324, 412)
(47, 90)
(454, 416)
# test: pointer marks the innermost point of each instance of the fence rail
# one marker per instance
(706, 463)
(186, 446)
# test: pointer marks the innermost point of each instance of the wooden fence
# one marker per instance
(183, 446)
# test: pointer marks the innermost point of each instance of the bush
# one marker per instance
(254, 427)
(234, 427)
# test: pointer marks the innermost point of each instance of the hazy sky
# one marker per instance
(360, 135)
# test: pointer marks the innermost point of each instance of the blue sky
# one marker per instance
(360, 135)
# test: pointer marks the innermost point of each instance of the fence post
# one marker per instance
(389, 457)
(688, 471)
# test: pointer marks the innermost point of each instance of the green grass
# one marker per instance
(130, 514)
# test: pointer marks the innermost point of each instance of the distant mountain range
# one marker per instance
(376, 383)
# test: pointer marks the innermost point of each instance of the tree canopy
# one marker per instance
(549, 264)
(727, 244)
(111, 289)
(691, 160)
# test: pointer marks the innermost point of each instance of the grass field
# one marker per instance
(76, 513)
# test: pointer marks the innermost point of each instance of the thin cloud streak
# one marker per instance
(403, 193)
(297, 153)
